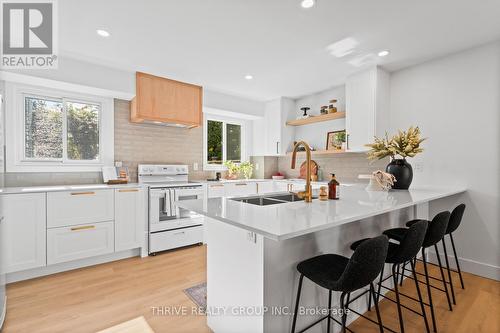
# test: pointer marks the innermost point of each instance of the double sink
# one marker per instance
(269, 200)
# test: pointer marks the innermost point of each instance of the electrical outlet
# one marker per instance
(419, 167)
(256, 166)
(118, 164)
(195, 166)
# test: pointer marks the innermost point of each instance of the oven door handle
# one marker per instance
(167, 206)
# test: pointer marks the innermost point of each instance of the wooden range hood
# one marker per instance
(166, 102)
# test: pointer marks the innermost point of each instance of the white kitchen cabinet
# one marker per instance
(129, 218)
(79, 207)
(24, 227)
(265, 187)
(271, 135)
(367, 107)
(78, 242)
(216, 190)
(240, 189)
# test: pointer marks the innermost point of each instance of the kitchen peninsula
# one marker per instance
(255, 244)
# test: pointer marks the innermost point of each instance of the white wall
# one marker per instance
(456, 102)
(315, 134)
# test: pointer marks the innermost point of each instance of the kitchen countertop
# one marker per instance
(222, 181)
(58, 188)
(288, 220)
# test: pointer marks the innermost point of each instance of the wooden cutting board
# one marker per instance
(303, 169)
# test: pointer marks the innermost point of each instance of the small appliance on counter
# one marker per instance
(170, 226)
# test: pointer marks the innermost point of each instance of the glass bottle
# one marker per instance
(333, 188)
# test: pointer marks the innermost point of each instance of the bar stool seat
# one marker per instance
(397, 234)
(324, 270)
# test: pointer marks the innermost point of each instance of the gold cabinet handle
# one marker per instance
(85, 227)
(82, 193)
(129, 190)
(241, 184)
(221, 185)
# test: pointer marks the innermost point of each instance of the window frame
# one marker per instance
(225, 121)
(16, 160)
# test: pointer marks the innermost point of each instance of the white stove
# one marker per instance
(171, 226)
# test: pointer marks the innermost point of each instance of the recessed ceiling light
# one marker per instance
(383, 53)
(103, 33)
(248, 77)
(307, 3)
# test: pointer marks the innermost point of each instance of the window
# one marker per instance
(223, 142)
(50, 130)
(62, 130)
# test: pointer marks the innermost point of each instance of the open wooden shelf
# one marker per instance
(316, 119)
(327, 152)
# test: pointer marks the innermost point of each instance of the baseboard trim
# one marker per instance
(469, 266)
(67, 266)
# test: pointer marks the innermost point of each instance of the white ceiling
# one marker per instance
(215, 43)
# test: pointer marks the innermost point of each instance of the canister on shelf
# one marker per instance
(324, 109)
(332, 108)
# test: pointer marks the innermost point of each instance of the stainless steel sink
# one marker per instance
(275, 199)
(286, 197)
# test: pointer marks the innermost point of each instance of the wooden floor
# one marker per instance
(96, 298)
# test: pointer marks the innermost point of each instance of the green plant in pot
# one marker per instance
(398, 148)
(247, 169)
(233, 169)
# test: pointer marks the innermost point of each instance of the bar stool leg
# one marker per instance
(422, 307)
(375, 299)
(329, 310)
(456, 260)
(442, 277)
(379, 318)
(395, 268)
(344, 310)
(427, 282)
(402, 274)
(299, 289)
(449, 272)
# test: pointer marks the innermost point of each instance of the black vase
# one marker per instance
(403, 172)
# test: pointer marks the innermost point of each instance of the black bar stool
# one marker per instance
(399, 254)
(455, 220)
(338, 273)
(435, 233)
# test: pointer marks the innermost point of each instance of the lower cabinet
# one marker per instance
(265, 187)
(24, 227)
(129, 218)
(78, 242)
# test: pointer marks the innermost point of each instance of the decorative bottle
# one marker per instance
(333, 188)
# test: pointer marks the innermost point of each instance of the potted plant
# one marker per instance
(233, 169)
(398, 148)
(247, 169)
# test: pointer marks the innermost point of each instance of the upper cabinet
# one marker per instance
(271, 136)
(161, 100)
(367, 107)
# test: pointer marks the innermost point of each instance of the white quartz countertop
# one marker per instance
(256, 180)
(288, 220)
(56, 188)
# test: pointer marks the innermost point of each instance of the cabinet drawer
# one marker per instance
(240, 189)
(161, 241)
(78, 242)
(79, 207)
(216, 190)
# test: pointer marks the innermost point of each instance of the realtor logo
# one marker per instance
(28, 34)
